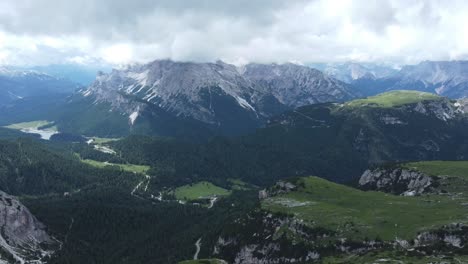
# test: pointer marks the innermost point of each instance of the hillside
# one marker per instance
(335, 141)
(339, 140)
(311, 219)
(186, 99)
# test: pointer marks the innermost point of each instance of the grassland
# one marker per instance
(393, 98)
(452, 175)
(437, 168)
(358, 215)
(239, 185)
(199, 190)
(99, 140)
(33, 125)
(126, 167)
(143, 169)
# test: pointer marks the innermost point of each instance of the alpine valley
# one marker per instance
(185, 162)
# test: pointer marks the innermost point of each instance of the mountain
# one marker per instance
(78, 73)
(295, 85)
(351, 71)
(164, 97)
(27, 95)
(446, 78)
(17, 85)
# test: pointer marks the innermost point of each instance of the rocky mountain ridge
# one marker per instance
(208, 92)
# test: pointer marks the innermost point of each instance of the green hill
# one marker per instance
(358, 214)
(200, 190)
(315, 219)
(394, 98)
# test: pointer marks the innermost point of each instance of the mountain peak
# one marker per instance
(214, 93)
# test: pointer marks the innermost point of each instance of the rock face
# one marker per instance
(396, 180)
(448, 78)
(266, 244)
(214, 93)
(294, 85)
(454, 236)
(442, 109)
(23, 238)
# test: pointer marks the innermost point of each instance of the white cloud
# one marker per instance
(117, 54)
(123, 31)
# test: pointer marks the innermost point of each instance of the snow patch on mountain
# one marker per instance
(86, 93)
(133, 116)
(141, 78)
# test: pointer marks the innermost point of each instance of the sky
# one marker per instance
(117, 32)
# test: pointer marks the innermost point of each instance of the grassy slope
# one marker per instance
(449, 168)
(393, 98)
(240, 185)
(199, 190)
(32, 125)
(126, 167)
(453, 175)
(99, 140)
(358, 214)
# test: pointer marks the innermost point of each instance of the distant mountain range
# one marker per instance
(348, 72)
(219, 97)
(240, 199)
(200, 100)
(446, 78)
(78, 73)
(17, 84)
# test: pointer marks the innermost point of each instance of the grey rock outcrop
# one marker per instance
(23, 238)
(442, 109)
(396, 180)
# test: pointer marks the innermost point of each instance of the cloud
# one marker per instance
(124, 31)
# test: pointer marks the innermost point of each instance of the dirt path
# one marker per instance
(197, 245)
